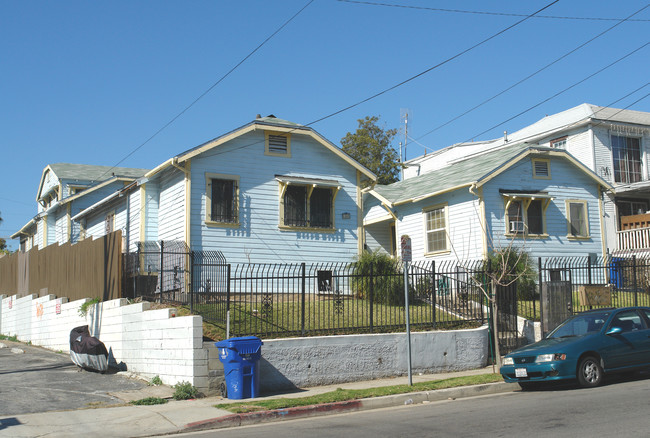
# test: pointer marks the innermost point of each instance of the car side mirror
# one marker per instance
(614, 331)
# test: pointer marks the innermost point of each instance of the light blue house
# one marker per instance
(270, 191)
(537, 198)
(65, 190)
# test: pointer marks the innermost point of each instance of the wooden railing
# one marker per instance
(637, 238)
(635, 221)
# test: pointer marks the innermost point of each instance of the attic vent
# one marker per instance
(541, 169)
(278, 144)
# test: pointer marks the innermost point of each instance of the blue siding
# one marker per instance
(258, 237)
(567, 183)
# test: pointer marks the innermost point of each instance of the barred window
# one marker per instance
(222, 206)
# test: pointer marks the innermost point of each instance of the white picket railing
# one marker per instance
(638, 238)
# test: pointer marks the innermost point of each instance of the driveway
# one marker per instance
(33, 379)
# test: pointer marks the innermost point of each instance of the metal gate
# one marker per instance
(507, 327)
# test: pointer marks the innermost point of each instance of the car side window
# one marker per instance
(628, 321)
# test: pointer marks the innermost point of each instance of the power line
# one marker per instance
(559, 92)
(433, 67)
(533, 74)
(462, 11)
(210, 88)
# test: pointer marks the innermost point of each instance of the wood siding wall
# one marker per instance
(88, 269)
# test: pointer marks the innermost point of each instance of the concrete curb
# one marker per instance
(251, 418)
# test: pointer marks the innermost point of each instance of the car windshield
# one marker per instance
(580, 325)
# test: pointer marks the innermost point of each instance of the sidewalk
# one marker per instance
(190, 415)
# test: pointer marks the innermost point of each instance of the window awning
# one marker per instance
(308, 181)
(526, 195)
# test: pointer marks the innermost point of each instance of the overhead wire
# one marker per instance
(211, 87)
(534, 73)
(560, 92)
(440, 64)
(463, 11)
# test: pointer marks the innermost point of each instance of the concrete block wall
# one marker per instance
(149, 342)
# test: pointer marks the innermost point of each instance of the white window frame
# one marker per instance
(624, 174)
(425, 217)
(209, 177)
(585, 210)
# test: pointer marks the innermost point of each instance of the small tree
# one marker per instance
(371, 146)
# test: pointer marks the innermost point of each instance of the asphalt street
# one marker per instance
(619, 408)
(33, 379)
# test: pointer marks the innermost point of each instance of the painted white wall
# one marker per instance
(150, 342)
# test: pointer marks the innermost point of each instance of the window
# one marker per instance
(525, 213)
(277, 144)
(541, 169)
(577, 219)
(307, 206)
(435, 220)
(626, 155)
(109, 223)
(559, 143)
(222, 199)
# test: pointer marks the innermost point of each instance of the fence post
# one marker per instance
(371, 293)
(589, 268)
(302, 304)
(541, 305)
(162, 257)
(434, 292)
(634, 282)
(192, 282)
(228, 303)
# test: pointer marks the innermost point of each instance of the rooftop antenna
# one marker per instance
(404, 117)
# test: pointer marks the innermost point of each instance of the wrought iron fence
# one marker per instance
(593, 282)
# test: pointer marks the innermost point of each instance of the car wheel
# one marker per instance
(590, 373)
(223, 389)
(528, 386)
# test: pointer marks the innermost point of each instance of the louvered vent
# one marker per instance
(277, 144)
(541, 169)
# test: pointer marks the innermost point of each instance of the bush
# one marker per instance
(516, 266)
(184, 391)
(387, 276)
(156, 381)
(149, 401)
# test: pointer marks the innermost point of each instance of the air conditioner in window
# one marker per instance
(516, 226)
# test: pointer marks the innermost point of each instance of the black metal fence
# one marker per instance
(572, 285)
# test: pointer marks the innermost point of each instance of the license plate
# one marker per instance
(521, 372)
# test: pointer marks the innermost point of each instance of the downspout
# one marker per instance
(482, 219)
(188, 195)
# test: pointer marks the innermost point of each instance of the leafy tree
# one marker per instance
(371, 146)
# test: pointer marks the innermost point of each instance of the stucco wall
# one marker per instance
(314, 361)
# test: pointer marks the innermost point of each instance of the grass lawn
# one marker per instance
(355, 394)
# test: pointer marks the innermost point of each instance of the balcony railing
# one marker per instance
(635, 221)
(637, 238)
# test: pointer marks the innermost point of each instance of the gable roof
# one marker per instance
(88, 174)
(265, 123)
(474, 170)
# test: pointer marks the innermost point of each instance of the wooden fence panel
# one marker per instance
(87, 269)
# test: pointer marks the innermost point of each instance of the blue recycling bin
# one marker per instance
(616, 272)
(240, 358)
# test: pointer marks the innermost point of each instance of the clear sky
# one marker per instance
(90, 82)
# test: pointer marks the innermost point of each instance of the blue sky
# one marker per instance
(90, 82)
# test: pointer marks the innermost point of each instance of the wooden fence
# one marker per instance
(87, 269)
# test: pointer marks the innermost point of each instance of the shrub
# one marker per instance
(513, 264)
(387, 276)
(184, 391)
(156, 381)
(149, 401)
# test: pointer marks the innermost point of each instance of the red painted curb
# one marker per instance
(273, 415)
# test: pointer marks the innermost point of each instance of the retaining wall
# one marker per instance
(304, 362)
(147, 342)
(159, 343)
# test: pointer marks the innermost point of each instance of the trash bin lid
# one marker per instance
(243, 345)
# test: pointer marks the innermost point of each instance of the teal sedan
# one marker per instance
(584, 347)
